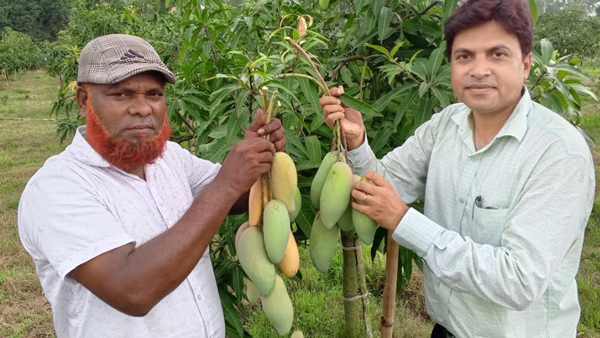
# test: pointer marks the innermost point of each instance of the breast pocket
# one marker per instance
(488, 226)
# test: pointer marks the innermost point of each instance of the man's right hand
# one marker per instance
(351, 119)
(246, 162)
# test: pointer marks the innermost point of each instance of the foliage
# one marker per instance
(40, 19)
(571, 31)
(17, 53)
(389, 55)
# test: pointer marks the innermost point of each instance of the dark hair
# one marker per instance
(513, 15)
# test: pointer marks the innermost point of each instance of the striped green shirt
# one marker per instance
(503, 226)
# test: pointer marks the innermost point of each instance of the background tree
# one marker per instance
(40, 19)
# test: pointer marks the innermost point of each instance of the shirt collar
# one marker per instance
(515, 126)
(83, 151)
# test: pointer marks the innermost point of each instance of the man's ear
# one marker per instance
(526, 66)
(82, 97)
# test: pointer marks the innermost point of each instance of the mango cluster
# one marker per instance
(267, 239)
(330, 193)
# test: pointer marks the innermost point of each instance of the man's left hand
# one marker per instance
(259, 128)
(379, 201)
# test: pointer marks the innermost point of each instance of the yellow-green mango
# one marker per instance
(284, 180)
(345, 222)
(255, 262)
(335, 196)
(278, 307)
(276, 229)
(239, 232)
(365, 227)
(251, 291)
(297, 334)
(298, 204)
(317, 184)
(323, 242)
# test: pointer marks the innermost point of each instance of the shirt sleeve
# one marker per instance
(62, 220)
(199, 172)
(406, 166)
(549, 216)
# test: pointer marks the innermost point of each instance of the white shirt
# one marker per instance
(78, 206)
(503, 266)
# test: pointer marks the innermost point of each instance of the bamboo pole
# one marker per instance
(389, 293)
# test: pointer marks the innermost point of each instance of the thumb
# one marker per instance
(377, 179)
(258, 122)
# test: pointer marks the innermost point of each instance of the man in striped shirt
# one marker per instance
(508, 187)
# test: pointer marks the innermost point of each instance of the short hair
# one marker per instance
(513, 15)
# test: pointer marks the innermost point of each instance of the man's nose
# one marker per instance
(140, 106)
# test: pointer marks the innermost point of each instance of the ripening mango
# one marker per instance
(284, 180)
(335, 196)
(255, 262)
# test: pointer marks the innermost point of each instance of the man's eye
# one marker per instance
(462, 56)
(119, 94)
(499, 54)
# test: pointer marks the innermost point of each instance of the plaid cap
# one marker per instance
(112, 58)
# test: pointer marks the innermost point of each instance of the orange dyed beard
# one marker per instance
(119, 152)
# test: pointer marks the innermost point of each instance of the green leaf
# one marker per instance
(395, 49)
(423, 112)
(310, 93)
(366, 109)
(360, 5)
(313, 148)
(423, 88)
(580, 88)
(436, 58)
(317, 122)
(381, 139)
(305, 218)
(573, 70)
(425, 27)
(385, 18)
(380, 49)
(231, 316)
(547, 51)
(383, 101)
(534, 11)
(449, 7)
(380, 235)
(237, 282)
(406, 101)
(442, 96)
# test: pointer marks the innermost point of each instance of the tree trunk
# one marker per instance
(389, 293)
(355, 289)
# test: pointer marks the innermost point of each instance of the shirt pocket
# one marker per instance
(488, 226)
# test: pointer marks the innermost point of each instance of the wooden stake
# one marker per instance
(389, 293)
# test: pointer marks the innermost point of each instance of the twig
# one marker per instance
(424, 11)
(342, 63)
(183, 138)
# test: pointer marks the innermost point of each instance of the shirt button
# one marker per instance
(199, 297)
(461, 200)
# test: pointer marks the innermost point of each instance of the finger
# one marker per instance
(264, 157)
(264, 168)
(377, 179)
(280, 145)
(330, 119)
(359, 196)
(366, 188)
(337, 91)
(270, 127)
(329, 100)
(331, 109)
(260, 145)
(258, 122)
(365, 209)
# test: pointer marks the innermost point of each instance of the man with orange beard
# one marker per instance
(119, 224)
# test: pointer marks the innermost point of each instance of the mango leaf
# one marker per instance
(426, 27)
(380, 235)
(406, 101)
(534, 11)
(436, 58)
(547, 51)
(360, 4)
(383, 101)
(378, 48)
(310, 93)
(305, 218)
(385, 17)
(313, 148)
(442, 96)
(573, 70)
(580, 88)
(381, 139)
(424, 111)
(449, 7)
(423, 88)
(365, 108)
(234, 326)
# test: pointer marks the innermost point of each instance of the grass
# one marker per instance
(28, 138)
